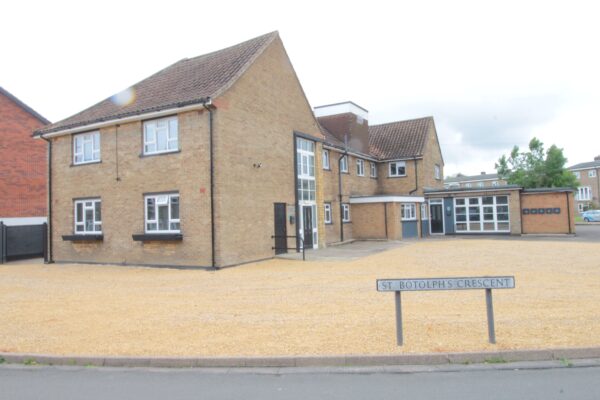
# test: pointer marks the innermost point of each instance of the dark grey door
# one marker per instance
(307, 226)
(436, 215)
(280, 229)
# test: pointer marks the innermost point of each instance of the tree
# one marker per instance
(536, 168)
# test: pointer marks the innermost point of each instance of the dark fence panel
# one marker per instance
(26, 241)
(2, 243)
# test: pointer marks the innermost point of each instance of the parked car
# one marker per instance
(591, 216)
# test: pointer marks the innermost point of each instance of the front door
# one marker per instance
(307, 226)
(280, 229)
(436, 217)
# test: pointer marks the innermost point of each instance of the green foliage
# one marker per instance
(495, 360)
(30, 361)
(566, 362)
(536, 168)
(2, 360)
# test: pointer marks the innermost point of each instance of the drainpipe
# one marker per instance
(569, 210)
(209, 107)
(345, 154)
(49, 233)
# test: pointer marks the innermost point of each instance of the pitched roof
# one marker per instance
(585, 165)
(188, 81)
(24, 106)
(470, 178)
(401, 139)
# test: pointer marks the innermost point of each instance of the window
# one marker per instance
(437, 172)
(326, 159)
(161, 136)
(162, 213)
(409, 212)
(480, 184)
(581, 207)
(424, 211)
(481, 214)
(373, 170)
(88, 217)
(344, 164)
(467, 185)
(86, 148)
(577, 174)
(327, 212)
(592, 173)
(345, 212)
(584, 193)
(360, 167)
(305, 153)
(495, 183)
(397, 168)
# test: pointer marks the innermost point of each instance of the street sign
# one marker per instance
(427, 284)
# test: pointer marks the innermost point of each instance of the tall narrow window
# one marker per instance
(345, 212)
(424, 211)
(162, 213)
(437, 172)
(344, 164)
(327, 212)
(326, 159)
(88, 217)
(373, 169)
(161, 136)
(86, 148)
(397, 168)
(360, 167)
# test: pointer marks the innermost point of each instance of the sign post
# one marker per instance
(428, 284)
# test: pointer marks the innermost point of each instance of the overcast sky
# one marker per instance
(492, 74)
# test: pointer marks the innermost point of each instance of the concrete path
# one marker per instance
(347, 251)
(536, 381)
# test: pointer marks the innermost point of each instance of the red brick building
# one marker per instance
(23, 163)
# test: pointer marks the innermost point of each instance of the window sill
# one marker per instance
(85, 163)
(83, 238)
(162, 237)
(328, 223)
(397, 176)
(347, 222)
(164, 153)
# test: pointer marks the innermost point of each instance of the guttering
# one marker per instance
(386, 199)
(49, 233)
(209, 107)
(124, 120)
(351, 153)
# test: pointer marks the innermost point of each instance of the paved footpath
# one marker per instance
(541, 380)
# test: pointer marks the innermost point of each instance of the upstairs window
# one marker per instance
(88, 217)
(326, 159)
(86, 148)
(373, 170)
(162, 213)
(161, 136)
(344, 164)
(437, 172)
(495, 183)
(592, 173)
(397, 168)
(584, 193)
(360, 167)
(480, 184)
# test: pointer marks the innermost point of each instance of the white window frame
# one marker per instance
(437, 172)
(408, 211)
(344, 164)
(360, 167)
(581, 207)
(373, 169)
(480, 184)
(592, 173)
(87, 204)
(172, 135)
(468, 185)
(397, 165)
(87, 138)
(327, 213)
(495, 183)
(346, 212)
(481, 212)
(424, 211)
(162, 197)
(584, 193)
(326, 159)
(577, 174)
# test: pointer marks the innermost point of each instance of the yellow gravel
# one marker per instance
(282, 307)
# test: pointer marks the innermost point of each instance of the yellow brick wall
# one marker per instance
(549, 223)
(369, 221)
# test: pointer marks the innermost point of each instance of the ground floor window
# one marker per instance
(482, 214)
(581, 207)
(409, 212)
(345, 212)
(424, 212)
(88, 216)
(327, 212)
(162, 213)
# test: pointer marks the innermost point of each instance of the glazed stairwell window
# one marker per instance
(161, 136)
(88, 217)
(86, 148)
(162, 213)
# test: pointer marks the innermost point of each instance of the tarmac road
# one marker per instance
(537, 381)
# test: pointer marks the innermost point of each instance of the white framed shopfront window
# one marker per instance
(482, 214)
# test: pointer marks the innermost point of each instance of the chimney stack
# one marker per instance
(597, 158)
(346, 121)
(482, 172)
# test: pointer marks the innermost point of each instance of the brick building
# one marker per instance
(219, 160)
(23, 163)
(588, 193)
(474, 181)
